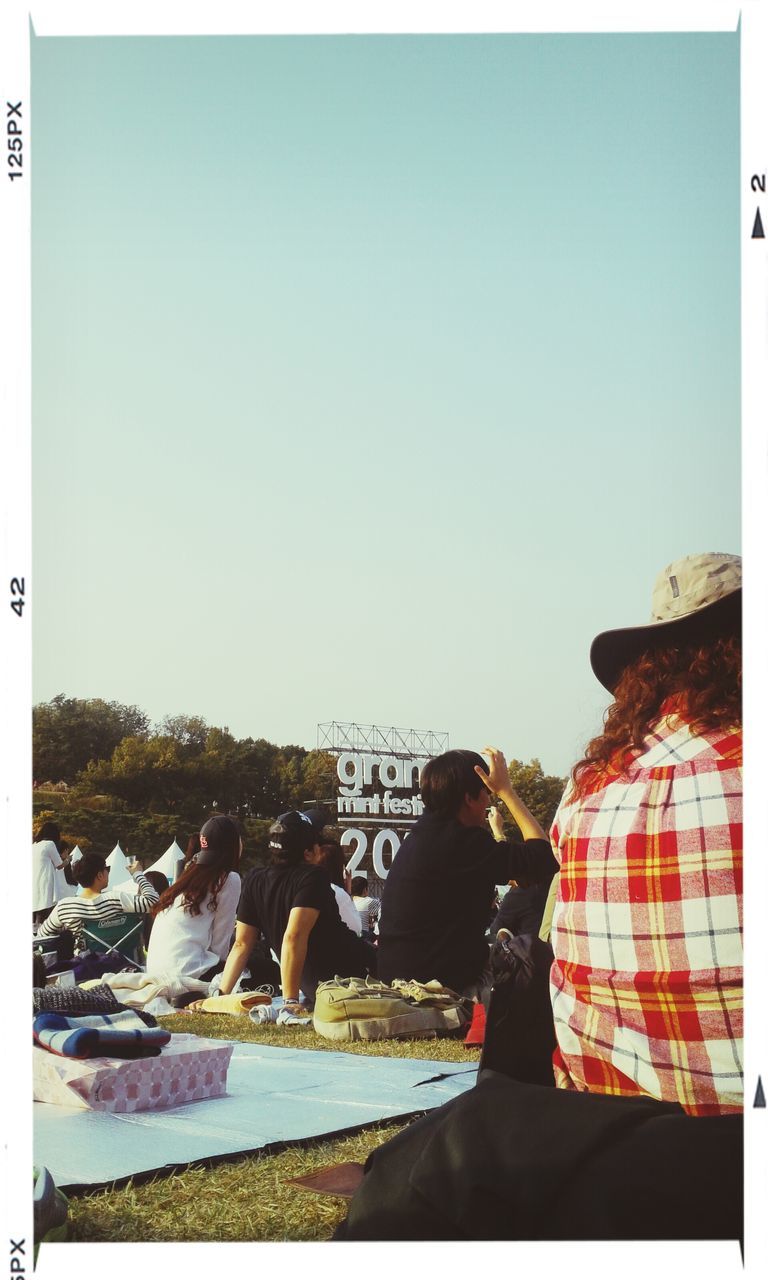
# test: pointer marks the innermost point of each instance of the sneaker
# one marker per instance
(295, 1017)
(264, 1013)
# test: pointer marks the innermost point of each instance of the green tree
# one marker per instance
(141, 772)
(259, 764)
(67, 733)
(190, 731)
(319, 781)
(540, 791)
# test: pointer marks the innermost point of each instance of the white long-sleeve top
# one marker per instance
(183, 944)
(45, 860)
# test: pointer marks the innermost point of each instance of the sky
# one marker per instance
(373, 376)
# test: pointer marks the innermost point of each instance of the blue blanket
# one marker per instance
(113, 1035)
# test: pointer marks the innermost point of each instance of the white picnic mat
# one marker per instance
(273, 1095)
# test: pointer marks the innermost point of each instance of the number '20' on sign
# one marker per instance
(386, 841)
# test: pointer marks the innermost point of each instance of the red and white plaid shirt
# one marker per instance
(646, 983)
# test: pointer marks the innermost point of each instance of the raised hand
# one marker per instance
(497, 778)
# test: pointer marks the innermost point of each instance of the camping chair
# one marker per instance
(53, 956)
(121, 937)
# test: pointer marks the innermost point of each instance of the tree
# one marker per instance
(259, 765)
(319, 780)
(540, 791)
(190, 731)
(142, 772)
(67, 733)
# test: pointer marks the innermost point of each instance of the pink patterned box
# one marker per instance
(188, 1069)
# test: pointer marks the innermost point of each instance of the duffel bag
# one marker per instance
(360, 1009)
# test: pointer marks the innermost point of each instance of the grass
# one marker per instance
(224, 1027)
(246, 1199)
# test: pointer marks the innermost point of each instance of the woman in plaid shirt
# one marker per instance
(647, 978)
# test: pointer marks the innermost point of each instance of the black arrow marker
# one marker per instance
(759, 1095)
(758, 234)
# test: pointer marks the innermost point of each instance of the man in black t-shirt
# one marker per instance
(292, 904)
(438, 894)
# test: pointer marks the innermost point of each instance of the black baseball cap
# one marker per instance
(297, 830)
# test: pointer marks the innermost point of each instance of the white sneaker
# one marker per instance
(263, 1013)
(294, 1018)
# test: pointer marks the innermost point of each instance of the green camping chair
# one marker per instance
(122, 937)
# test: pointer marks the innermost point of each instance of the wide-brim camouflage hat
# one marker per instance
(691, 597)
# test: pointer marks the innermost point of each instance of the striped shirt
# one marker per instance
(646, 982)
(72, 913)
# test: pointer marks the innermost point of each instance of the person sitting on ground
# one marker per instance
(367, 908)
(46, 863)
(437, 896)
(97, 904)
(194, 917)
(292, 904)
(646, 983)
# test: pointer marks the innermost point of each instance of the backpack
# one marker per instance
(360, 1009)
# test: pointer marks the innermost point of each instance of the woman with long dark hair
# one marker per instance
(195, 917)
(647, 977)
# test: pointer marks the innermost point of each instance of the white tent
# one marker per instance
(168, 864)
(118, 867)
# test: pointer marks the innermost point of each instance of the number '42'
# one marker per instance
(17, 593)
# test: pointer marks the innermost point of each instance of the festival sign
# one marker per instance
(378, 797)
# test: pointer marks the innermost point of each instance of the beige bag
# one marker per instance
(356, 1009)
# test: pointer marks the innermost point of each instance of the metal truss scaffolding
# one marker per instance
(339, 736)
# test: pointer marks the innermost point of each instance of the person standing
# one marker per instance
(46, 864)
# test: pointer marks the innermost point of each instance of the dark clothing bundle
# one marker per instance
(515, 1161)
(520, 1030)
(438, 895)
(267, 898)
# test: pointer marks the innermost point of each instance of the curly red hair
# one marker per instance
(699, 681)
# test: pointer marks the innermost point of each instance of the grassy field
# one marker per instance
(246, 1198)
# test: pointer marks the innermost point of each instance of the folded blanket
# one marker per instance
(74, 1000)
(234, 1004)
(119, 1035)
(139, 989)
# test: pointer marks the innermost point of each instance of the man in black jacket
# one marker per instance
(438, 895)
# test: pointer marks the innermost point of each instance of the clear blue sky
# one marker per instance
(372, 376)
